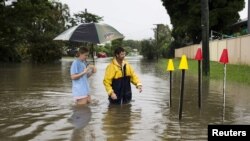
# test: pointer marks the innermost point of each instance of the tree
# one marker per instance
(28, 28)
(8, 32)
(48, 18)
(109, 52)
(163, 37)
(148, 50)
(187, 21)
(115, 44)
(84, 17)
(134, 44)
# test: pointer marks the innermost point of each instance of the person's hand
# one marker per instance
(113, 96)
(85, 70)
(92, 67)
(139, 88)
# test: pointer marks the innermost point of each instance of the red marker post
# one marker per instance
(198, 57)
(224, 60)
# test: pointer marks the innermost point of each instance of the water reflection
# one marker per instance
(80, 119)
(117, 122)
(81, 116)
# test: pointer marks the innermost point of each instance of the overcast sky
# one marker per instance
(243, 13)
(135, 19)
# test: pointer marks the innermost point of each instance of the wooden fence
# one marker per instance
(238, 50)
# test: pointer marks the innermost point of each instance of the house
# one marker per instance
(239, 28)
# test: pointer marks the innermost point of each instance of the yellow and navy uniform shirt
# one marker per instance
(114, 71)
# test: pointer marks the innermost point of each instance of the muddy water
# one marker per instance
(36, 104)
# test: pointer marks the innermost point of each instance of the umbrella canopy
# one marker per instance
(90, 32)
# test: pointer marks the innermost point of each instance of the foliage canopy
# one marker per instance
(185, 17)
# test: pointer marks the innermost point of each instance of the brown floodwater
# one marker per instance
(36, 105)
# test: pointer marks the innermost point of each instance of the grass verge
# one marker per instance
(234, 73)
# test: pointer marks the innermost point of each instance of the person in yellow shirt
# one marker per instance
(118, 78)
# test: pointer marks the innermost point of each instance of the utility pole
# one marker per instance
(248, 18)
(157, 40)
(205, 37)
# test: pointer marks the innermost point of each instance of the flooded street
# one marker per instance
(36, 105)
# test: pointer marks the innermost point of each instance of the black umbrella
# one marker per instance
(90, 32)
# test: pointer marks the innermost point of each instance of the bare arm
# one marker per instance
(77, 76)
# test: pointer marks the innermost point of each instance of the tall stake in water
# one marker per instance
(224, 60)
(198, 57)
(183, 66)
(170, 68)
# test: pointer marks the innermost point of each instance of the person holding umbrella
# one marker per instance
(80, 71)
(118, 78)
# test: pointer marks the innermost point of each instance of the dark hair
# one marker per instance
(119, 50)
(82, 50)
